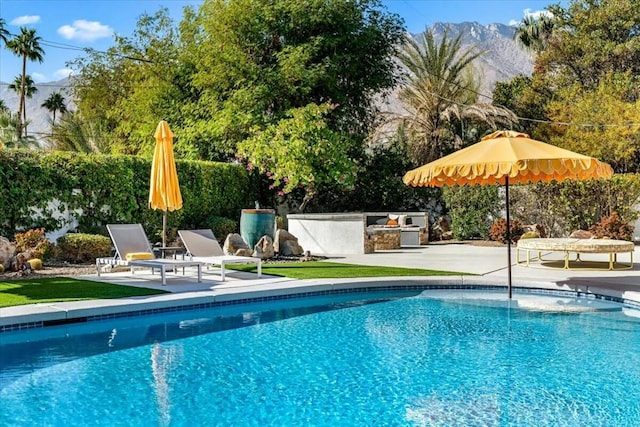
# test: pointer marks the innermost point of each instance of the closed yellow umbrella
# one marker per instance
(164, 189)
(507, 157)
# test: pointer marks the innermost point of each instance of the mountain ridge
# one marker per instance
(503, 57)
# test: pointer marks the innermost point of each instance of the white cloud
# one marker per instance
(514, 23)
(62, 73)
(83, 30)
(39, 77)
(25, 20)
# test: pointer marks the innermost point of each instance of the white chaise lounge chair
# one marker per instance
(201, 245)
(134, 250)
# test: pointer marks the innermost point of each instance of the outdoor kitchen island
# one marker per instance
(358, 233)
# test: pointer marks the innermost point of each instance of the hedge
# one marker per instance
(100, 189)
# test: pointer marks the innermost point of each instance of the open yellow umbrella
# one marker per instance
(164, 189)
(507, 157)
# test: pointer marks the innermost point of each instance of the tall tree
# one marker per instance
(535, 33)
(75, 133)
(54, 103)
(27, 87)
(577, 80)
(9, 136)
(593, 38)
(605, 122)
(526, 98)
(241, 69)
(4, 33)
(134, 84)
(27, 45)
(439, 96)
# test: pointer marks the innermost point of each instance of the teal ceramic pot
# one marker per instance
(255, 223)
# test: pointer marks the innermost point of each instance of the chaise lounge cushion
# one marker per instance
(139, 255)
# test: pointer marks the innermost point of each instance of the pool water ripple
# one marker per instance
(411, 361)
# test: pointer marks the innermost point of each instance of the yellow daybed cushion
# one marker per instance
(139, 255)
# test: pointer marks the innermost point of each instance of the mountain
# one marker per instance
(39, 117)
(502, 60)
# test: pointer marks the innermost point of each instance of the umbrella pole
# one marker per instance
(506, 192)
(164, 229)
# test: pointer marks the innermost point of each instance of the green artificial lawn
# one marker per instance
(60, 289)
(334, 270)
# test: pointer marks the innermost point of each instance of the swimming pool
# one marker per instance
(393, 358)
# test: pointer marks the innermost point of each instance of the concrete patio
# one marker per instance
(484, 266)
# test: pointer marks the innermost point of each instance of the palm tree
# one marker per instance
(9, 132)
(55, 102)
(73, 133)
(29, 90)
(4, 33)
(440, 97)
(27, 45)
(535, 33)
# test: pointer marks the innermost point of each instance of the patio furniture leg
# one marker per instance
(163, 273)
(566, 259)
(199, 273)
(259, 269)
(222, 270)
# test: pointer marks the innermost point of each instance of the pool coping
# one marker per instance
(43, 315)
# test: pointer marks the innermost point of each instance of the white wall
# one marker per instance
(328, 234)
(59, 212)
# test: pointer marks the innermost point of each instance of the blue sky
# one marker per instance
(67, 25)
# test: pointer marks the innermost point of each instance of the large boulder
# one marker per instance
(442, 229)
(286, 244)
(233, 243)
(244, 252)
(21, 262)
(264, 248)
(7, 252)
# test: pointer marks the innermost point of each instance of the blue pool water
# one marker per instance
(406, 359)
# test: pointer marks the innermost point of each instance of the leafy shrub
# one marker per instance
(562, 207)
(35, 242)
(472, 210)
(498, 231)
(222, 226)
(612, 227)
(81, 247)
(110, 189)
(378, 187)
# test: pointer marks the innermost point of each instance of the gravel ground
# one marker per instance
(51, 271)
